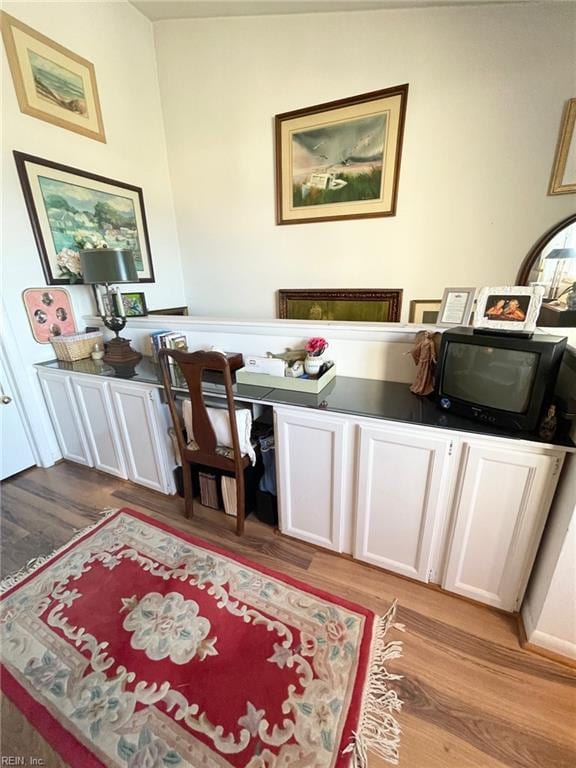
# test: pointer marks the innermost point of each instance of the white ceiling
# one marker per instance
(198, 9)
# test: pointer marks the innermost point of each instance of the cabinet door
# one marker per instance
(313, 477)
(65, 417)
(401, 488)
(500, 512)
(100, 424)
(143, 443)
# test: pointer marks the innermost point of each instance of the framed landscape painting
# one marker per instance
(340, 160)
(71, 209)
(52, 83)
(355, 305)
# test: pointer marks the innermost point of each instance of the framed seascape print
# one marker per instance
(52, 83)
(71, 209)
(340, 160)
(563, 179)
(360, 305)
(49, 312)
(134, 304)
(509, 308)
(456, 308)
(424, 311)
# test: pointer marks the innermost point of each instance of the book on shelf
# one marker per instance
(229, 495)
(167, 340)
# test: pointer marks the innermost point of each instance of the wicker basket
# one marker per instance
(75, 346)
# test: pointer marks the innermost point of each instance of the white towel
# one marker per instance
(221, 426)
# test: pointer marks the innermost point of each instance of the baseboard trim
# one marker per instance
(561, 651)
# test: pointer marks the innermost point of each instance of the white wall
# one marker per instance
(549, 610)
(119, 42)
(487, 88)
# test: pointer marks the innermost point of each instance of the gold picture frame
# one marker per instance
(52, 83)
(364, 305)
(563, 180)
(341, 159)
(424, 311)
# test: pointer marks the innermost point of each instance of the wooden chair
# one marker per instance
(204, 449)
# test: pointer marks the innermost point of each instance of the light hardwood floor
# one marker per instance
(472, 697)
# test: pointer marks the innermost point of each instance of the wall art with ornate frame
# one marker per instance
(341, 159)
(52, 83)
(340, 304)
(71, 209)
(563, 179)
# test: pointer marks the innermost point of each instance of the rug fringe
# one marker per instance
(36, 562)
(378, 729)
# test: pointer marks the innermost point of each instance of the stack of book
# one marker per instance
(208, 490)
(167, 340)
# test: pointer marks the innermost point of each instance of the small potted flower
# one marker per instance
(315, 348)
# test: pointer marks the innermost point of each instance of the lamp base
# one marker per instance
(119, 352)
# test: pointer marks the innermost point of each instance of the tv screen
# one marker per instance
(490, 377)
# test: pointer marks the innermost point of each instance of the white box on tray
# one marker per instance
(267, 365)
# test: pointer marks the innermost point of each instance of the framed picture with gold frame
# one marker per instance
(424, 311)
(52, 83)
(341, 304)
(563, 179)
(341, 159)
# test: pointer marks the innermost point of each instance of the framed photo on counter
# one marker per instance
(509, 308)
(456, 307)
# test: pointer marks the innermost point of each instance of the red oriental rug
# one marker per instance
(138, 646)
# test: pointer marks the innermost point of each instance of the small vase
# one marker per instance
(313, 364)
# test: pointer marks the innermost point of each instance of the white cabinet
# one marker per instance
(100, 425)
(402, 487)
(65, 417)
(137, 410)
(117, 426)
(314, 476)
(499, 514)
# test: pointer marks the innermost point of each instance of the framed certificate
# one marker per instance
(456, 307)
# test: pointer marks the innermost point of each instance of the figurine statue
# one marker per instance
(548, 425)
(425, 356)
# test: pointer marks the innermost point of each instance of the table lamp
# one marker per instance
(561, 256)
(105, 266)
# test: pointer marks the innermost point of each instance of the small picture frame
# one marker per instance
(509, 308)
(456, 307)
(134, 304)
(424, 311)
(49, 312)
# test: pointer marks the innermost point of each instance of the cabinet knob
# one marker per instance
(5, 399)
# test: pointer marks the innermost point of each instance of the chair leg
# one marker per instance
(188, 490)
(240, 503)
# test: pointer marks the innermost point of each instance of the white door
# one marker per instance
(17, 453)
(500, 512)
(402, 479)
(100, 425)
(65, 417)
(313, 477)
(143, 442)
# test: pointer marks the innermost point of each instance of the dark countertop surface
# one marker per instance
(389, 400)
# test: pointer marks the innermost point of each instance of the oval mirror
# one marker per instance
(552, 262)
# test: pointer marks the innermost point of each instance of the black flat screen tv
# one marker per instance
(503, 380)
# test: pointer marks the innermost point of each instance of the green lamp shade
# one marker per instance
(107, 265)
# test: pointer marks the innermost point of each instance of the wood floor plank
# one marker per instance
(473, 697)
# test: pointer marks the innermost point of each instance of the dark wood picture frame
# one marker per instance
(141, 299)
(23, 160)
(356, 208)
(391, 295)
